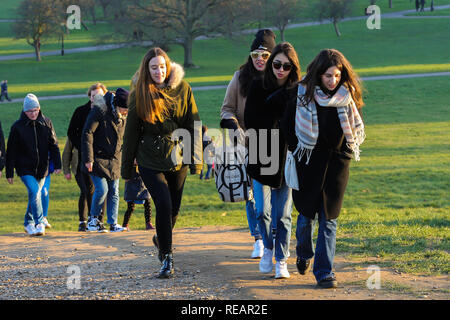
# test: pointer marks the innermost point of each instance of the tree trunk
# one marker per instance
(336, 28)
(37, 49)
(390, 4)
(282, 33)
(94, 18)
(187, 45)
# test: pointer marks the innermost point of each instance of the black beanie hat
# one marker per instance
(120, 99)
(264, 40)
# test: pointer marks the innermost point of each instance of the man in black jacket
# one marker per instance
(101, 152)
(74, 135)
(31, 141)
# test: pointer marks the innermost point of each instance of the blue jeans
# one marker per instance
(325, 246)
(45, 195)
(251, 219)
(34, 210)
(276, 203)
(105, 190)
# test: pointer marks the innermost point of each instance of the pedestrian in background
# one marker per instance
(31, 140)
(4, 90)
(101, 152)
(83, 179)
(137, 193)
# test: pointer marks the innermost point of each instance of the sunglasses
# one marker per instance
(257, 54)
(286, 66)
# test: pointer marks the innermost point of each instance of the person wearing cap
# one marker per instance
(101, 152)
(83, 179)
(232, 112)
(32, 143)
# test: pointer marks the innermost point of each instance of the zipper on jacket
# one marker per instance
(37, 148)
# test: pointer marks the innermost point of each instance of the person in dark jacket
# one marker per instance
(137, 193)
(83, 179)
(263, 114)
(31, 140)
(101, 148)
(232, 111)
(2, 150)
(323, 129)
(4, 91)
(160, 103)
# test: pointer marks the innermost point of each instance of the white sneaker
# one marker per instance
(258, 249)
(266, 264)
(46, 224)
(116, 228)
(30, 229)
(40, 229)
(281, 271)
(92, 225)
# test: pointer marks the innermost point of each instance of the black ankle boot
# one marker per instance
(167, 267)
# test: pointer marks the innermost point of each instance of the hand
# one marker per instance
(10, 180)
(68, 176)
(0, 174)
(89, 166)
(57, 171)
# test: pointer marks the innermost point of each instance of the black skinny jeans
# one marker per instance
(166, 190)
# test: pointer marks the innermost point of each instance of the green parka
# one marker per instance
(152, 145)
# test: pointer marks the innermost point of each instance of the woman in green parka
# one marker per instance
(160, 103)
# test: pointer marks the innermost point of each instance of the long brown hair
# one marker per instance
(151, 102)
(270, 81)
(332, 58)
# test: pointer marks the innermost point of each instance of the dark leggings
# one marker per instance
(86, 186)
(166, 189)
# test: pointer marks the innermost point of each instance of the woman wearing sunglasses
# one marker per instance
(264, 109)
(233, 106)
(324, 129)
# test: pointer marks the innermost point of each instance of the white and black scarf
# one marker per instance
(307, 124)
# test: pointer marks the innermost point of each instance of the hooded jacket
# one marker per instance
(101, 139)
(30, 143)
(151, 144)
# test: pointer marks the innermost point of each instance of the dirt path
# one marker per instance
(210, 263)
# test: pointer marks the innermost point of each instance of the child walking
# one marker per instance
(136, 193)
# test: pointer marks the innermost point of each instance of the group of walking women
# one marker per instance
(316, 119)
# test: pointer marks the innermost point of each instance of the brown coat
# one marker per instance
(233, 105)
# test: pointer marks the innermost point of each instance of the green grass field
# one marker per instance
(397, 203)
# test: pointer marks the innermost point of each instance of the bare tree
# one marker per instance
(178, 21)
(37, 21)
(281, 12)
(334, 10)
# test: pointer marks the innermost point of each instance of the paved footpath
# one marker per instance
(219, 87)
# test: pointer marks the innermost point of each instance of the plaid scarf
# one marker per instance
(307, 124)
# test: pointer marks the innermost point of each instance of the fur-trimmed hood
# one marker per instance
(176, 76)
